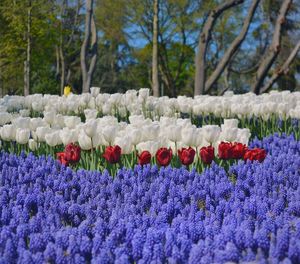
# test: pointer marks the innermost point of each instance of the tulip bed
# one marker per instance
(98, 178)
(51, 213)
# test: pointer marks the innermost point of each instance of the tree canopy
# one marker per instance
(48, 35)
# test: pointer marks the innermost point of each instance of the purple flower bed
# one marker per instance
(50, 213)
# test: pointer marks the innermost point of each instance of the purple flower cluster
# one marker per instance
(49, 213)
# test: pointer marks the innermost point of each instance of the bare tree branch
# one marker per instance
(94, 53)
(204, 39)
(273, 51)
(231, 51)
(245, 71)
(76, 20)
(90, 27)
(282, 70)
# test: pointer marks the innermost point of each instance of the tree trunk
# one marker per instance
(63, 68)
(231, 51)
(226, 81)
(203, 42)
(68, 76)
(155, 82)
(28, 53)
(273, 51)
(94, 55)
(282, 70)
(90, 27)
(57, 71)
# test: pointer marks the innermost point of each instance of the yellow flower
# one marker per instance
(67, 90)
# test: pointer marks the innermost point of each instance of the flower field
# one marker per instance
(98, 178)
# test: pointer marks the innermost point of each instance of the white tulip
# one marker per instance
(59, 121)
(49, 117)
(32, 144)
(95, 91)
(184, 122)
(211, 133)
(72, 121)
(3, 108)
(68, 136)
(150, 132)
(84, 99)
(144, 93)
(151, 146)
(107, 108)
(109, 133)
(108, 121)
(37, 122)
(229, 134)
(271, 106)
(90, 128)
(24, 112)
(189, 136)
(53, 139)
(33, 135)
(125, 144)
(283, 109)
(231, 123)
(90, 114)
(167, 121)
(22, 135)
(92, 103)
(84, 141)
(37, 106)
(243, 136)
(5, 118)
(98, 140)
(21, 122)
(115, 99)
(41, 132)
(136, 120)
(174, 133)
(130, 97)
(135, 135)
(8, 132)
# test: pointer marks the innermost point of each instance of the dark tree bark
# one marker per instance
(63, 69)
(282, 70)
(203, 42)
(273, 51)
(155, 81)
(231, 51)
(90, 33)
(57, 71)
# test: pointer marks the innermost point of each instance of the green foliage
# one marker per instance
(125, 44)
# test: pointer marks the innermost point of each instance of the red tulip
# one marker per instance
(163, 156)
(112, 154)
(186, 155)
(238, 150)
(61, 157)
(72, 153)
(224, 150)
(255, 154)
(207, 154)
(144, 157)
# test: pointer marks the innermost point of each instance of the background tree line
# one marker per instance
(173, 46)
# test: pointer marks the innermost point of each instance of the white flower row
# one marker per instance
(284, 104)
(142, 133)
